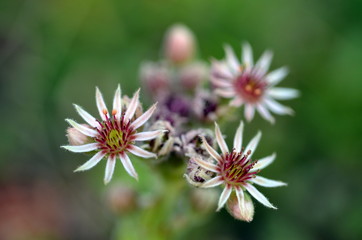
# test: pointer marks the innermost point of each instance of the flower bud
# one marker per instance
(163, 144)
(196, 174)
(179, 44)
(122, 199)
(191, 143)
(75, 137)
(243, 211)
(156, 77)
(204, 200)
(192, 75)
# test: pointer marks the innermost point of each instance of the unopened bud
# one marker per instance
(122, 199)
(156, 77)
(75, 137)
(162, 145)
(179, 44)
(204, 200)
(195, 174)
(243, 211)
(192, 75)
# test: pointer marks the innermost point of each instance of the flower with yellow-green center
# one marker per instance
(113, 136)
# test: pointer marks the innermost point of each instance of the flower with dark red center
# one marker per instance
(251, 85)
(114, 136)
(236, 170)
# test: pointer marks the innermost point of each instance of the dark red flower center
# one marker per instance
(235, 167)
(115, 136)
(250, 88)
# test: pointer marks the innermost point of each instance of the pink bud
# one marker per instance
(179, 44)
(192, 75)
(77, 138)
(243, 211)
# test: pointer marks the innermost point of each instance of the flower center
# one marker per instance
(115, 136)
(250, 87)
(236, 166)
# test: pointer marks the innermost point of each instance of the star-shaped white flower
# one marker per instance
(236, 170)
(251, 84)
(114, 135)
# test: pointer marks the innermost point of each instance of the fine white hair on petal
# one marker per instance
(101, 105)
(111, 163)
(117, 103)
(283, 93)
(253, 144)
(225, 92)
(231, 59)
(141, 152)
(247, 56)
(91, 162)
(144, 136)
(274, 77)
(144, 117)
(127, 164)
(213, 182)
(238, 139)
(85, 130)
(132, 106)
(277, 108)
(265, 182)
(210, 150)
(249, 112)
(224, 197)
(264, 162)
(82, 148)
(86, 116)
(265, 113)
(220, 140)
(262, 66)
(207, 165)
(258, 196)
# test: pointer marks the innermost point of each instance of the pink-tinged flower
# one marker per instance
(114, 136)
(251, 84)
(236, 170)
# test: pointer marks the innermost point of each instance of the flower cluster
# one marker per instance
(191, 96)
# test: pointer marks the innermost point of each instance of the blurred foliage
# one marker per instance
(53, 54)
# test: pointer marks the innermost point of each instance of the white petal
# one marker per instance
(238, 139)
(258, 196)
(144, 117)
(220, 140)
(144, 136)
(85, 130)
(283, 93)
(247, 56)
(265, 113)
(132, 106)
(236, 102)
(86, 116)
(224, 197)
(222, 83)
(225, 92)
(117, 103)
(213, 182)
(111, 163)
(262, 66)
(231, 59)
(127, 164)
(264, 162)
(82, 148)
(253, 144)
(277, 108)
(249, 112)
(220, 70)
(208, 166)
(102, 108)
(274, 77)
(91, 162)
(265, 182)
(141, 152)
(210, 150)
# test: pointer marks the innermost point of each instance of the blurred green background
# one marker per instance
(53, 53)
